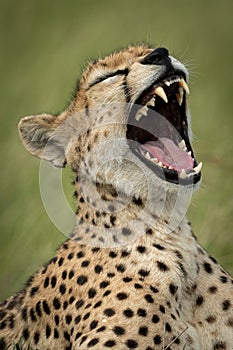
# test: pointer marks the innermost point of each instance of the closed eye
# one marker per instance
(108, 76)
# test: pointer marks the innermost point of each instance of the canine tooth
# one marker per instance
(161, 93)
(182, 145)
(151, 102)
(142, 111)
(154, 160)
(179, 96)
(160, 164)
(183, 174)
(170, 168)
(197, 169)
(184, 85)
(147, 155)
(190, 153)
(167, 83)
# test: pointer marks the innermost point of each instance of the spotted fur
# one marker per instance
(122, 281)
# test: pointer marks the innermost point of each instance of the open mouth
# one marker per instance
(158, 126)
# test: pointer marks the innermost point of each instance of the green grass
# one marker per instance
(44, 46)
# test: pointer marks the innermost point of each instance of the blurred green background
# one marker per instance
(45, 44)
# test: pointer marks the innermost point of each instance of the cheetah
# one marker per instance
(132, 274)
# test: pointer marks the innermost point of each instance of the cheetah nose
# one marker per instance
(159, 56)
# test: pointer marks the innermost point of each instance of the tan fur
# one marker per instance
(132, 276)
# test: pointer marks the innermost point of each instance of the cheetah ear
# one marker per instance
(41, 136)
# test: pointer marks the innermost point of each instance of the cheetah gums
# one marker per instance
(132, 274)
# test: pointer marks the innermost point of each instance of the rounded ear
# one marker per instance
(39, 136)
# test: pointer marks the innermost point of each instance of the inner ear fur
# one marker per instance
(41, 137)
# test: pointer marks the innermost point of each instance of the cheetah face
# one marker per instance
(138, 96)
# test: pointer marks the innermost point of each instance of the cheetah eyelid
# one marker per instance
(109, 75)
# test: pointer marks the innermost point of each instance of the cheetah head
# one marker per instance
(127, 124)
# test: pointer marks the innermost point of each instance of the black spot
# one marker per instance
(91, 292)
(143, 331)
(122, 296)
(106, 293)
(68, 319)
(112, 254)
(23, 314)
(86, 316)
(46, 307)
(199, 300)
(223, 279)
(93, 324)
(149, 298)
(159, 247)
(12, 304)
(2, 314)
(79, 303)
(38, 309)
(71, 274)
(208, 267)
(98, 269)
(48, 331)
(126, 231)
(26, 333)
(230, 322)
(127, 279)
(154, 289)
(98, 304)
(131, 344)
(110, 343)
(92, 342)
(95, 249)
(178, 254)
(66, 336)
(149, 231)
(172, 288)
(211, 319)
(60, 261)
(56, 303)
(141, 249)
(141, 312)
(162, 266)
(56, 333)
(32, 315)
(213, 289)
(118, 330)
(162, 309)
(138, 286)
(33, 291)
(110, 274)
(157, 339)
(128, 313)
(226, 305)
(155, 318)
(65, 305)
(70, 256)
(80, 255)
(81, 280)
(36, 337)
(109, 312)
(104, 284)
(57, 320)
(101, 329)
(62, 288)
(77, 319)
(120, 268)
(168, 327)
(219, 345)
(85, 263)
(124, 253)
(143, 272)
(53, 281)
(64, 274)
(46, 282)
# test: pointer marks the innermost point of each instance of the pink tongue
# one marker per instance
(169, 154)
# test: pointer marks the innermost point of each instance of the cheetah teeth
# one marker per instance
(141, 112)
(161, 93)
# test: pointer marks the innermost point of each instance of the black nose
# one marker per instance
(159, 56)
